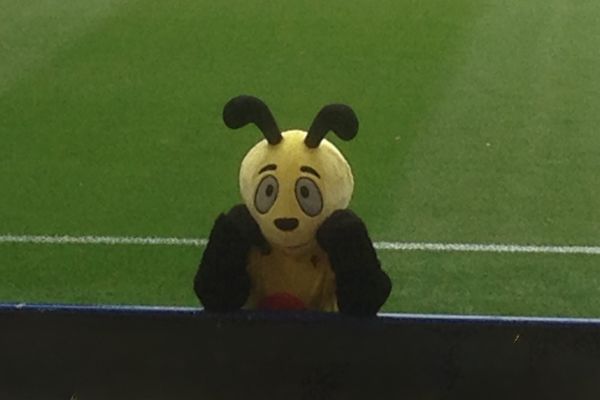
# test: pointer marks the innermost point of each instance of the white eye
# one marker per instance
(309, 196)
(266, 194)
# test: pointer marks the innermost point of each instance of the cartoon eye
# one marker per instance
(266, 194)
(309, 196)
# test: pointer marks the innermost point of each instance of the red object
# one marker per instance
(281, 301)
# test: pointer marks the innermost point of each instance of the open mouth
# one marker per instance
(298, 245)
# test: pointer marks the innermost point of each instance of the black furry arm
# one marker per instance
(361, 285)
(222, 282)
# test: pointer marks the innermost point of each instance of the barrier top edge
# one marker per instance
(159, 311)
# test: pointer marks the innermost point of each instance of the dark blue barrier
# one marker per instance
(64, 352)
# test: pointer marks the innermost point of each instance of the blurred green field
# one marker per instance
(479, 124)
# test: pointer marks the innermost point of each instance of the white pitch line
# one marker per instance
(108, 240)
(488, 248)
(398, 246)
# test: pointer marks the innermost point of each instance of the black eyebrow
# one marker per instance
(310, 170)
(268, 167)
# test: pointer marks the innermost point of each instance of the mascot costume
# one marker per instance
(292, 244)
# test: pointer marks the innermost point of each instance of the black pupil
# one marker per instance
(304, 192)
(269, 190)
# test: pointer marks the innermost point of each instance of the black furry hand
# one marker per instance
(341, 230)
(222, 282)
(361, 286)
(240, 217)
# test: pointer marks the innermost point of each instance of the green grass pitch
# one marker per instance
(480, 123)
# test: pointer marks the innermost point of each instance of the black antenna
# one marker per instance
(334, 117)
(242, 110)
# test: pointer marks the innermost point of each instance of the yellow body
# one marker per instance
(304, 274)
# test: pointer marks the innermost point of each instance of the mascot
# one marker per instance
(292, 244)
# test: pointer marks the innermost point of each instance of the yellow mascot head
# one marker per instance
(292, 181)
